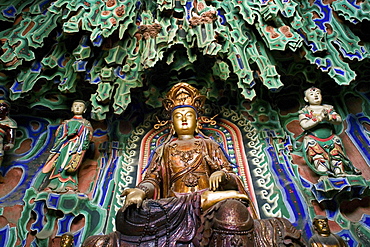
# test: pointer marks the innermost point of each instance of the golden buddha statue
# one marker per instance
(190, 195)
(323, 236)
(183, 164)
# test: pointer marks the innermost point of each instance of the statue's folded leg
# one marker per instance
(166, 222)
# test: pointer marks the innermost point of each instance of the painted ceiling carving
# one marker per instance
(57, 46)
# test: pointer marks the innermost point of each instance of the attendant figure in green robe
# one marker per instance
(323, 149)
(7, 131)
(72, 140)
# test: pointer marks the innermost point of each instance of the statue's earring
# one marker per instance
(172, 130)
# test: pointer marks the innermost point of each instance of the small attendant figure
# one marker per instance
(72, 140)
(323, 236)
(323, 149)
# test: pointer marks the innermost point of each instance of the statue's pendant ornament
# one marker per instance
(190, 180)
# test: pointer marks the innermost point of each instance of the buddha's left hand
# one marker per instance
(216, 179)
(133, 196)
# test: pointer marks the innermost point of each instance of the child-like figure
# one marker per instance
(323, 149)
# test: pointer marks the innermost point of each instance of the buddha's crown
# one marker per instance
(183, 94)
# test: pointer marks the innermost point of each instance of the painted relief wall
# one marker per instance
(253, 59)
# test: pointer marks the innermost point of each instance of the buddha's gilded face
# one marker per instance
(322, 226)
(313, 96)
(78, 108)
(184, 120)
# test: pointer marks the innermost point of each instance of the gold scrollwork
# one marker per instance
(160, 123)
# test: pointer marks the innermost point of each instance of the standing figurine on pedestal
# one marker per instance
(323, 149)
(7, 131)
(323, 236)
(72, 140)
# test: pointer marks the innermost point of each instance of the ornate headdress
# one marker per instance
(184, 95)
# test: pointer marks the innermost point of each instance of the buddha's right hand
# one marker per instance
(133, 196)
